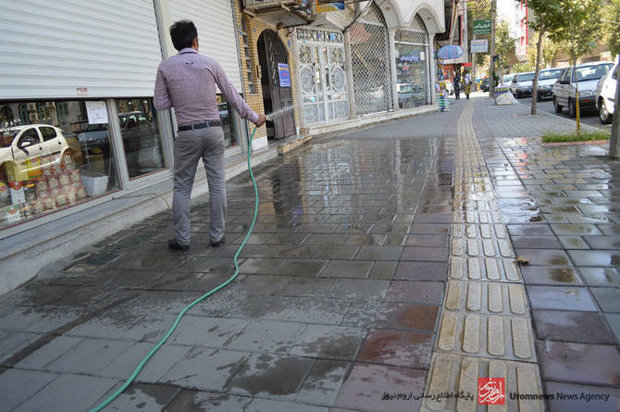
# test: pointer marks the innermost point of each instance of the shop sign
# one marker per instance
(323, 6)
(482, 26)
(284, 74)
(480, 46)
(450, 52)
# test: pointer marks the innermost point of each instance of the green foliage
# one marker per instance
(577, 25)
(610, 27)
(521, 67)
(552, 137)
(572, 22)
(504, 44)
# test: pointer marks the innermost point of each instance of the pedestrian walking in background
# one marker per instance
(187, 82)
(467, 84)
(457, 86)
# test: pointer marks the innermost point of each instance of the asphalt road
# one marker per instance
(589, 117)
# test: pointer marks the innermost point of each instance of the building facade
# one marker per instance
(76, 112)
(358, 60)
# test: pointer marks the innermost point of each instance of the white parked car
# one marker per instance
(521, 85)
(586, 77)
(605, 95)
(24, 149)
(507, 80)
(546, 80)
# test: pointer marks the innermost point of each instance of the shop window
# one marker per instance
(6, 114)
(140, 133)
(229, 118)
(50, 162)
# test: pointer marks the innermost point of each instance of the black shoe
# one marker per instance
(174, 245)
(219, 242)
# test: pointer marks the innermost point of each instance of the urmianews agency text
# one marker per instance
(561, 396)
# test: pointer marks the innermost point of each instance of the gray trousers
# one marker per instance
(189, 147)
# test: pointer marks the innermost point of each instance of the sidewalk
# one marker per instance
(340, 302)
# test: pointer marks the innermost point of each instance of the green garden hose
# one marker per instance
(163, 340)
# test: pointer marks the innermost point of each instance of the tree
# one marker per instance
(581, 22)
(573, 22)
(550, 50)
(505, 45)
(610, 28)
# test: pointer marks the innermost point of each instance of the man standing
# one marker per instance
(467, 84)
(457, 85)
(187, 82)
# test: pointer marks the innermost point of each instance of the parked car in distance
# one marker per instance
(605, 95)
(585, 77)
(546, 80)
(25, 149)
(521, 85)
(507, 79)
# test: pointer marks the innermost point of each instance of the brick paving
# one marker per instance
(382, 266)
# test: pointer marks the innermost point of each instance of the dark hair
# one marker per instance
(183, 33)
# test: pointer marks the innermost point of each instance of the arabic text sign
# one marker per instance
(482, 26)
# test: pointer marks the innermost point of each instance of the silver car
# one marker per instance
(605, 95)
(546, 80)
(521, 85)
(585, 77)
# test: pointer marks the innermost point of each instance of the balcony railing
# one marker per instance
(283, 13)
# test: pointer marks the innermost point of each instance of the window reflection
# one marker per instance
(49, 158)
(141, 140)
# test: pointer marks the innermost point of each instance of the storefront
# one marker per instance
(370, 63)
(412, 54)
(322, 76)
(77, 121)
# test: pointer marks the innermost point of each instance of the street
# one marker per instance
(589, 117)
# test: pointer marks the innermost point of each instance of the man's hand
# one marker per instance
(261, 120)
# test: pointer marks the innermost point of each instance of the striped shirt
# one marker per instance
(187, 82)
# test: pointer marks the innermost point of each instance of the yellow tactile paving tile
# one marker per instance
(490, 335)
(483, 268)
(485, 328)
(453, 374)
(486, 297)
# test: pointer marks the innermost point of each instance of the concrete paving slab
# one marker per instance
(125, 364)
(61, 394)
(270, 376)
(49, 352)
(397, 348)
(206, 369)
(323, 382)
(571, 326)
(17, 386)
(376, 387)
(142, 396)
(90, 356)
(578, 363)
(416, 292)
(560, 297)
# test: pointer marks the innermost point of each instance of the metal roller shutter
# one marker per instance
(75, 48)
(216, 31)
(370, 63)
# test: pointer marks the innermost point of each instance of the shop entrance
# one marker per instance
(276, 85)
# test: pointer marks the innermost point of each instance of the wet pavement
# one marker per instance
(381, 267)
